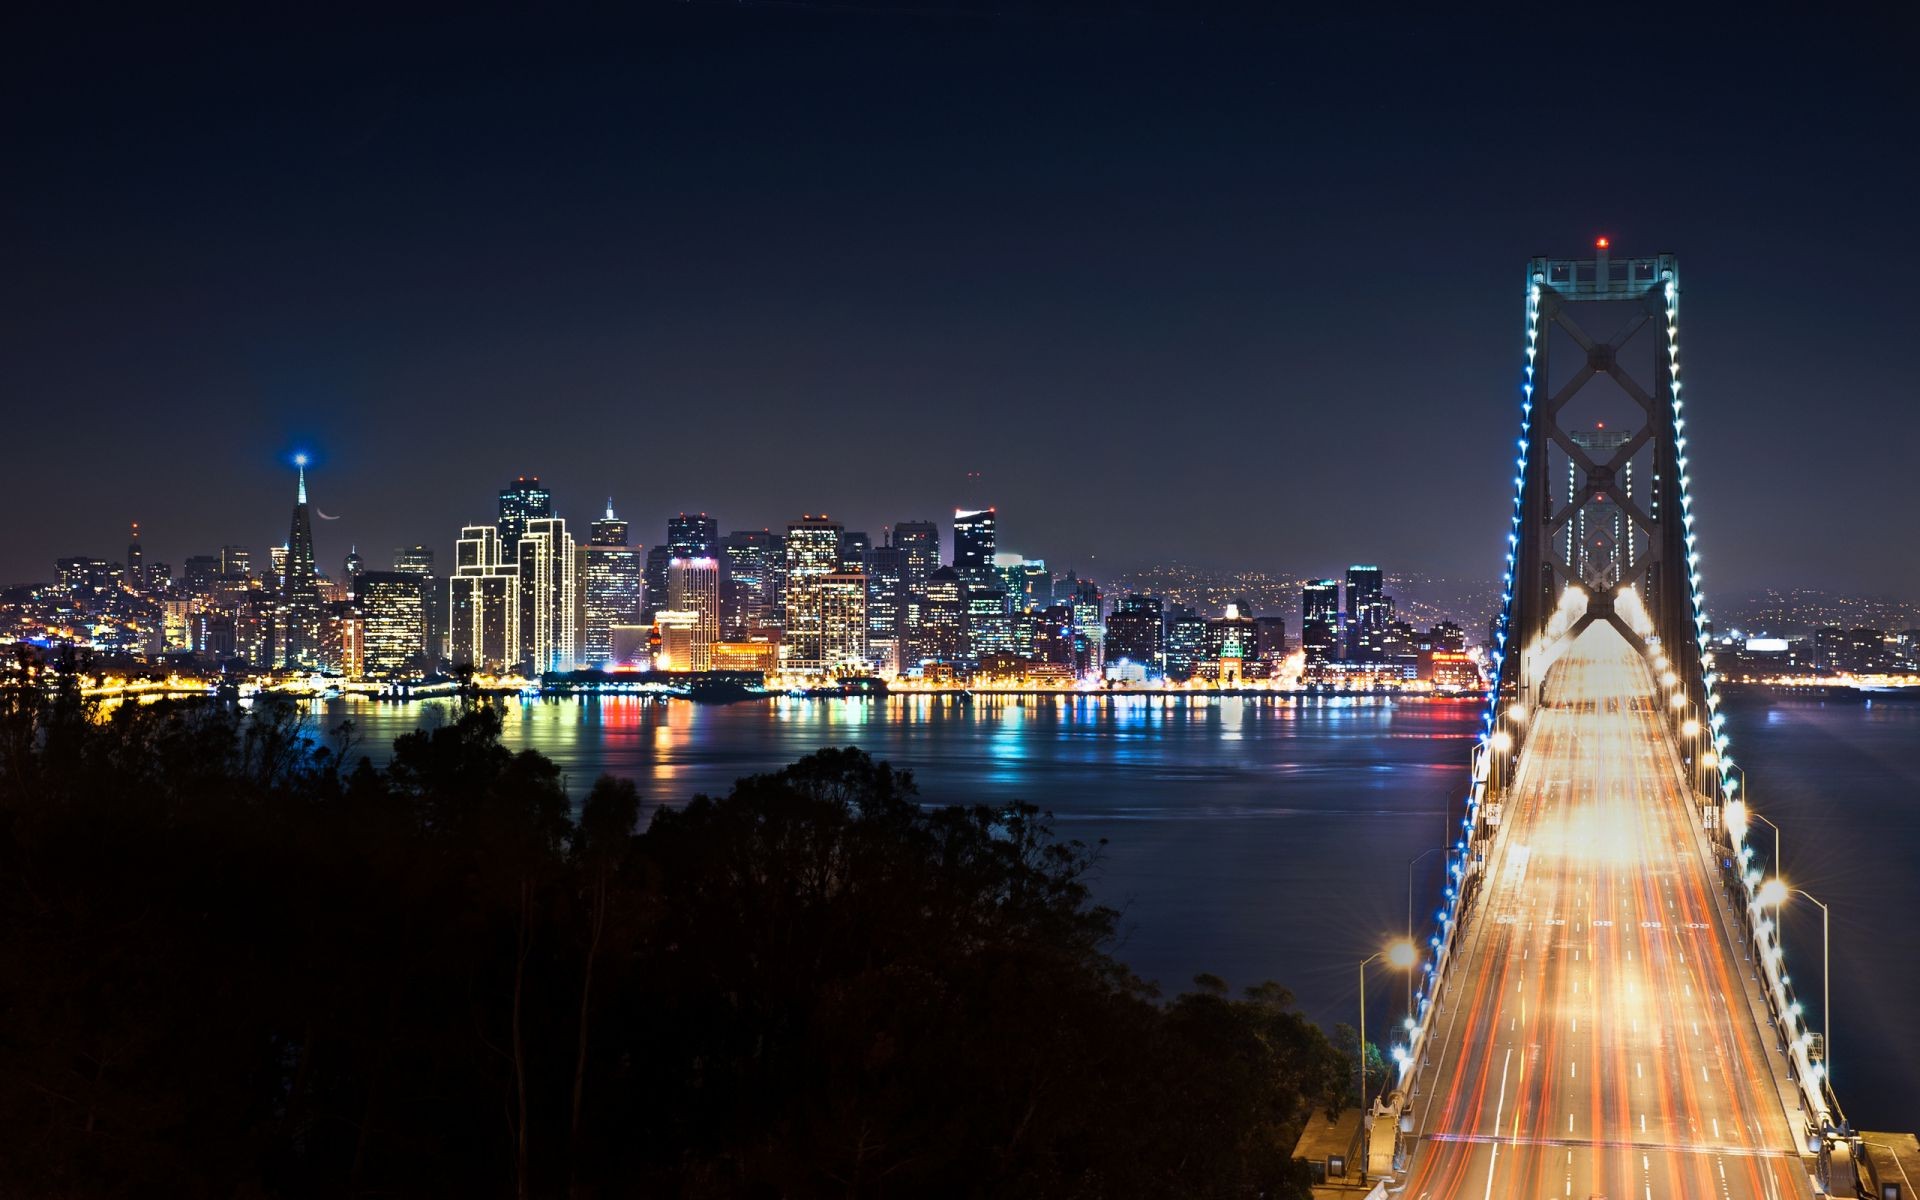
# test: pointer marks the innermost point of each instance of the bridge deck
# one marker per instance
(1597, 1039)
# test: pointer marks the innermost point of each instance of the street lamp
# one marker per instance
(1413, 862)
(1773, 894)
(1400, 956)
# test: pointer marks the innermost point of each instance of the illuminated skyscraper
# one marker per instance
(393, 613)
(549, 596)
(942, 633)
(749, 581)
(611, 587)
(136, 576)
(417, 561)
(521, 501)
(301, 612)
(483, 623)
(689, 535)
(887, 606)
(1135, 630)
(813, 554)
(974, 538)
(693, 586)
(1320, 621)
(1368, 610)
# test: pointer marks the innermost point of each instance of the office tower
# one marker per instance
(301, 614)
(1010, 576)
(1447, 636)
(855, 545)
(1230, 646)
(887, 606)
(1364, 610)
(198, 575)
(973, 546)
(693, 586)
(919, 542)
(1135, 632)
(1320, 621)
(942, 633)
(842, 600)
(749, 561)
(610, 587)
(353, 566)
(696, 536)
(521, 501)
(549, 596)
(483, 594)
(1185, 644)
(417, 560)
(277, 555)
(159, 576)
(236, 562)
(989, 623)
(393, 613)
(632, 647)
(653, 581)
(1270, 641)
(136, 576)
(83, 576)
(1036, 583)
(813, 553)
(1089, 627)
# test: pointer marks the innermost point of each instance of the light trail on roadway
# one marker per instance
(1596, 1038)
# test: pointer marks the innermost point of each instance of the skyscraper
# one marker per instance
(942, 636)
(136, 562)
(974, 539)
(549, 596)
(749, 576)
(854, 547)
(301, 613)
(521, 501)
(1135, 632)
(694, 535)
(693, 586)
(1320, 621)
(919, 544)
(611, 587)
(393, 622)
(813, 553)
(887, 605)
(1369, 614)
(483, 623)
(417, 561)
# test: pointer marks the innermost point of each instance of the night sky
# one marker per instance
(1237, 292)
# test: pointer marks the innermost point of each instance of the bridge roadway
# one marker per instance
(1597, 1039)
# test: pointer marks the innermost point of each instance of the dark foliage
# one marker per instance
(232, 965)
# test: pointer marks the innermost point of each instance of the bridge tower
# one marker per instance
(1602, 431)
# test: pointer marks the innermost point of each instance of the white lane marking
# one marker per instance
(1499, 1107)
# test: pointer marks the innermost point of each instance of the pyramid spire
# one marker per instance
(300, 461)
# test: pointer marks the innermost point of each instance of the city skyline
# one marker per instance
(1028, 278)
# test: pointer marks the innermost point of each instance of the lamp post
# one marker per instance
(1401, 957)
(1773, 894)
(1413, 862)
(1690, 729)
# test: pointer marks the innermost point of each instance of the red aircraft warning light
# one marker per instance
(1600, 243)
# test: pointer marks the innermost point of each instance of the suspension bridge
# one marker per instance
(1604, 1007)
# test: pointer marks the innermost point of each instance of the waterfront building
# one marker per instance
(760, 654)
(676, 629)
(301, 614)
(483, 623)
(417, 560)
(1320, 621)
(693, 586)
(653, 582)
(842, 601)
(1365, 601)
(610, 587)
(1231, 647)
(549, 596)
(974, 538)
(1270, 642)
(1134, 633)
(632, 647)
(393, 611)
(1185, 644)
(813, 553)
(521, 501)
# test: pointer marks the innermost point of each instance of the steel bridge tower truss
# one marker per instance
(1602, 338)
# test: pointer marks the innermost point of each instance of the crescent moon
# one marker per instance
(324, 516)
